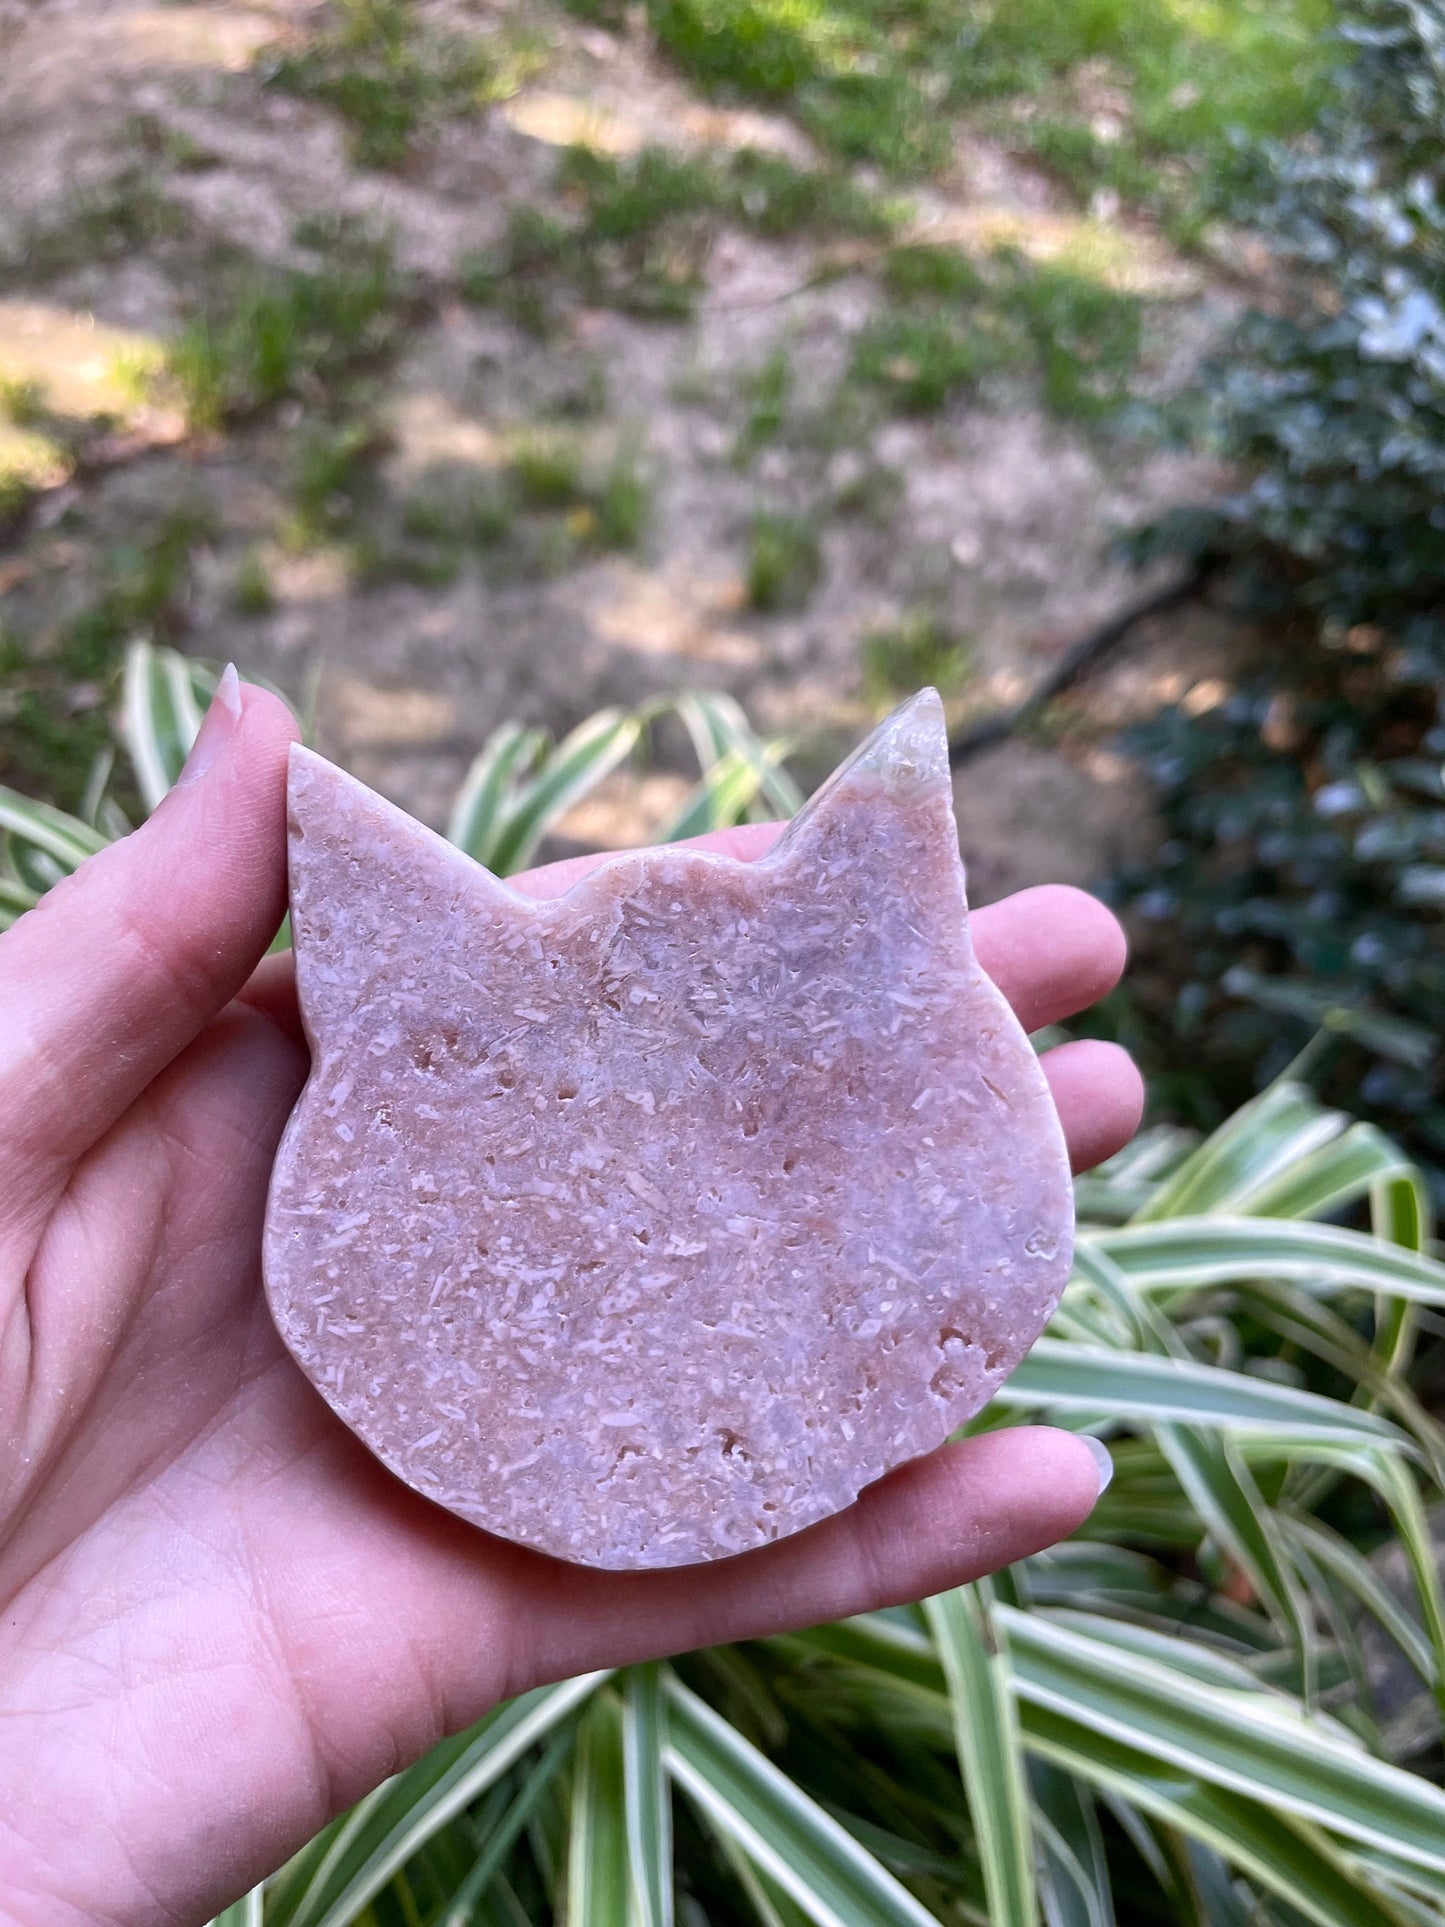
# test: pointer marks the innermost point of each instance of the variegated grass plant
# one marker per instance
(1211, 1707)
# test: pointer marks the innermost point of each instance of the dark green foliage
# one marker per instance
(332, 478)
(1310, 855)
(390, 77)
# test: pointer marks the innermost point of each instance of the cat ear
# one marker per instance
(904, 762)
(366, 880)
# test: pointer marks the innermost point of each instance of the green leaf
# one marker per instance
(985, 1725)
(1269, 1136)
(489, 788)
(720, 730)
(1259, 1744)
(598, 1876)
(401, 1815)
(648, 1796)
(1232, 1510)
(38, 826)
(1075, 1886)
(498, 1842)
(568, 773)
(163, 698)
(1352, 1166)
(836, 1882)
(1193, 1252)
(1294, 1860)
(245, 1912)
(1143, 1387)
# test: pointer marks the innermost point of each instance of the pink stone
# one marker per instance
(651, 1223)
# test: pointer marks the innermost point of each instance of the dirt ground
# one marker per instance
(1002, 525)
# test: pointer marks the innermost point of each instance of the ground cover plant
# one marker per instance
(1119, 95)
(1183, 1714)
(1305, 866)
(392, 78)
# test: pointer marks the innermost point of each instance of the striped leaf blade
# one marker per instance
(986, 1735)
(1147, 1388)
(648, 1794)
(834, 1879)
(599, 1881)
(1189, 1253)
(404, 1813)
(1257, 1744)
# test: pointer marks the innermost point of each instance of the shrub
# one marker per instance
(1305, 866)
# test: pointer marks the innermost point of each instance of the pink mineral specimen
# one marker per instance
(653, 1222)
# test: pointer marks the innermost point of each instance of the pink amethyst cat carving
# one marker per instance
(649, 1224)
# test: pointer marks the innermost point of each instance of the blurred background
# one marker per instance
(460, 365)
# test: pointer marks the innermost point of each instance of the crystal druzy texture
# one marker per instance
(651, 1223)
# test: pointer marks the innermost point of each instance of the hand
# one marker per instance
(221, 1621)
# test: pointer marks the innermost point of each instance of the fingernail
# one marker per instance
(215, 730)
(1102, 1459)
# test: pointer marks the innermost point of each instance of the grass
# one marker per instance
(262, 336)
(878, 83)
(767, 390)
(954, 323)
(392, 78)
(638, 229)
(785, 560)
(56, 683)
(124, 215)
(916, 651)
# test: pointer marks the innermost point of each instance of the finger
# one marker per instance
(939, 1522)
(120, 965)
(1052, 951)
(1099, 1096)
(270, 990)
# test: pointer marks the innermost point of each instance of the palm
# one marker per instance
(223, 1619)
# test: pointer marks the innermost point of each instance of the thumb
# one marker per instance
(120, 965)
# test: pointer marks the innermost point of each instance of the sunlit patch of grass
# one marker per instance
(880, 83)
(917, 651)
(392, 78)
(30, 462)
(847, 68)
(785, 560)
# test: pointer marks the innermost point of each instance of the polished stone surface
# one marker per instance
(649, 1224)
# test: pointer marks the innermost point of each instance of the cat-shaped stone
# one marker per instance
(651, 1223)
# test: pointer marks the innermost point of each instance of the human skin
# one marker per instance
(221, 1620)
